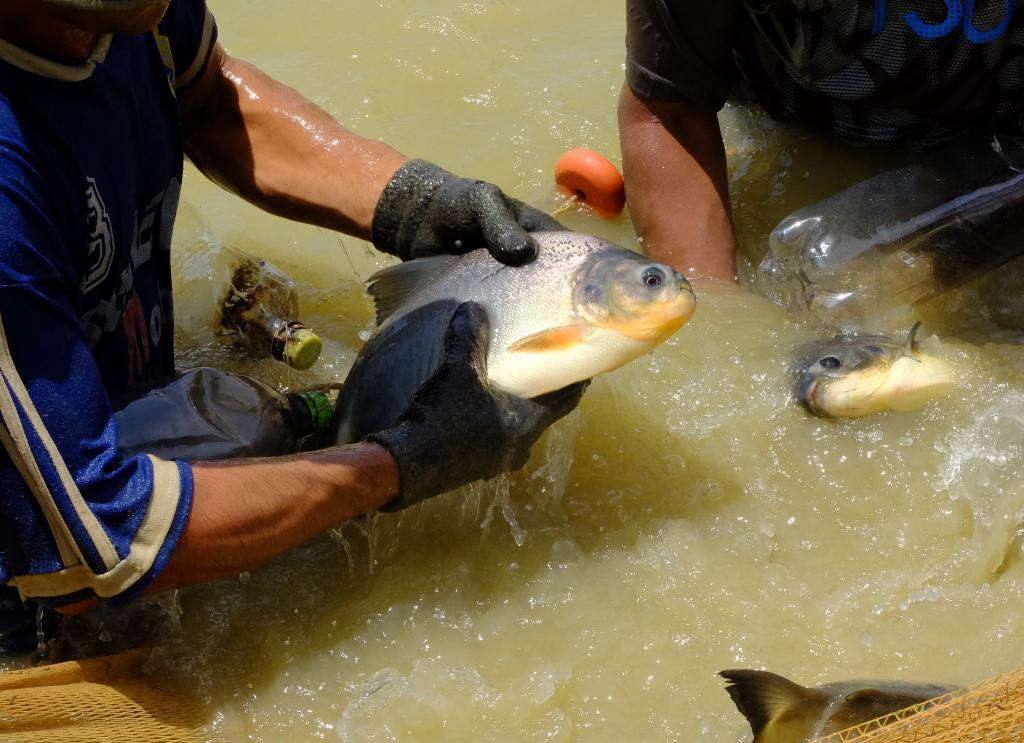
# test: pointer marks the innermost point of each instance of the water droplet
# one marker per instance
(564, 551)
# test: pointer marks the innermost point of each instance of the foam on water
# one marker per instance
(685, 533)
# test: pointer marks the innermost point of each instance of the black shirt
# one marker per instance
(877, 70)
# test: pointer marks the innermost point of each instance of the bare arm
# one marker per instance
(266, 142)
(245, 512)
(673, 162)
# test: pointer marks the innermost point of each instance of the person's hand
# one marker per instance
(425, 210)
(458, 429)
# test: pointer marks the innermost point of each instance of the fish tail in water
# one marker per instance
(761, 696)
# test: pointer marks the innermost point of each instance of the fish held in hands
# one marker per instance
(582, 307)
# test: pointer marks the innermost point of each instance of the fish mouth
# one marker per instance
(807, 393)
(658, 324)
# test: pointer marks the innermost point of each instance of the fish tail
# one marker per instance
(761, 696)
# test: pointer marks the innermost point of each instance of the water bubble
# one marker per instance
(564, 551)
(673, 463)
(544, 682)
(710, 490)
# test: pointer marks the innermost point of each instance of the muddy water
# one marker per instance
(688, 518)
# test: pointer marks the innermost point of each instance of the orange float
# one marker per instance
(592, 179)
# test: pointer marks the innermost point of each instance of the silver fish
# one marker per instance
(584, 306)
(852, 376)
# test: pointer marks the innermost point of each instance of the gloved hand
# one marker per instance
(425, 210)
(457, 429)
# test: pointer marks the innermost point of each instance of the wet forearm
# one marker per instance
(674, 165)
(246, 512)
(266, 142)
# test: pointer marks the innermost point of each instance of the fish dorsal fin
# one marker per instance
(911, 344)
(391, 286)
(761, 696)
(860, 694)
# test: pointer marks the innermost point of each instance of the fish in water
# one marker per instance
(584, 306)
(852, 376)
(780, 711)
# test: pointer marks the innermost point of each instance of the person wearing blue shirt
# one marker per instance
(911, 73)
(100, 100)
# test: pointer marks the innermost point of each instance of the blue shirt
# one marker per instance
(90, 172)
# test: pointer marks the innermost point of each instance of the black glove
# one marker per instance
(425, 210)
(457, 429)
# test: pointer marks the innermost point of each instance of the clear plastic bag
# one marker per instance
(902, 236)
(258, 311)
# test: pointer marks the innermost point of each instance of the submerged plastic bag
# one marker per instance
(206, 413)
(902, 236)
(243, 301)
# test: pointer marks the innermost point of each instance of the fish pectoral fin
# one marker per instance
(554, 339)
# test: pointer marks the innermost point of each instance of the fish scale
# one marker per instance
(479, 278)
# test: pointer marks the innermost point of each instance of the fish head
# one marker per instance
(853, 376)
(856, 702)
(623, 291)
(592, 307)
(868, 704)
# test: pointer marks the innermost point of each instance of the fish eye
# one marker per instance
(830, 362)
(653, 277)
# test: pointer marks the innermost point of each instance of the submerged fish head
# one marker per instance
(625, 292)
(849, 377)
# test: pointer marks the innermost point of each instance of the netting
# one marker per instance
(94, 701)
(991, 711)
(107, 699)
